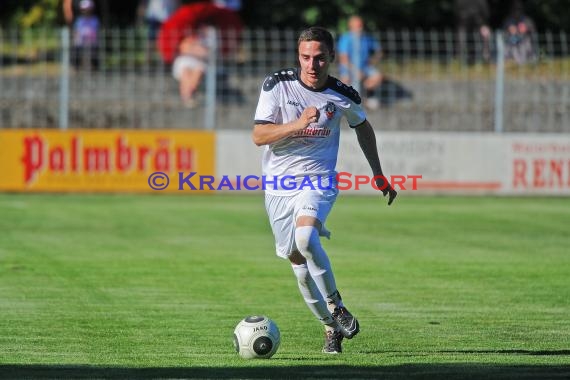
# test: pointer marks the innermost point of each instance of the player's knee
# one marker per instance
(307, 239)
(302, 273)
(296, 258)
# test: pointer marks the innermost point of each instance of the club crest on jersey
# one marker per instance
(330, 110)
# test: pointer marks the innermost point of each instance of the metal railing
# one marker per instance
(433, 81)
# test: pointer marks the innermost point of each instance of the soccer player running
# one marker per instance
(298, 121)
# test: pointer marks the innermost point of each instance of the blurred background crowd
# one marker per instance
(395, 14)
(133, 62)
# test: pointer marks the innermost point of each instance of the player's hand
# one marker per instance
(309, 115)
(386, 189)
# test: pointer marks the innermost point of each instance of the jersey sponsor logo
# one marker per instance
(313, 132)
(293, 103)
(330, 110)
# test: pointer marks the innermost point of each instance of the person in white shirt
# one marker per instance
(298, 121)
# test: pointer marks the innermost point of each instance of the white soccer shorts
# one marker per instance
(283, 212)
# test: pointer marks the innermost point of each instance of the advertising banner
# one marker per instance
(433, 162)
(470, 163)
(102, 160)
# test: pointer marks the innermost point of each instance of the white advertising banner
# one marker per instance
(538, 165)
(433, 163)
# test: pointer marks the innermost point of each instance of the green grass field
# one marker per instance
(151, 286)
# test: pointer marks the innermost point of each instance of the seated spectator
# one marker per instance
(189, 67)
(359, 53)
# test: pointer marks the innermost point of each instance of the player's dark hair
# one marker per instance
(319, 34)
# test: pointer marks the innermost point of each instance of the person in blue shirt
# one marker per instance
(86, 27)
(359, 53)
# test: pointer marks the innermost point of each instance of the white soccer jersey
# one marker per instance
(314, 150)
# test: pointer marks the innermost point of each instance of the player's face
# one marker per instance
(315, 60)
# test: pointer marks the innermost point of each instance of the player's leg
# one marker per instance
(313, 209)
(281, 216)
(316, 303)
(309, 245)
(319, 267)
(311, 293)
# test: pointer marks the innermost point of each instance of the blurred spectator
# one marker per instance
(232, 5)
(70, 8)
(189, 67)
(189, 58)
(519, 30)
(154, 13)
(191, 17)
(359, 53)
(86, 36)
(473, 29)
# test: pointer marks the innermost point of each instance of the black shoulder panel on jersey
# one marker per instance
(279, 76)
(344, 89)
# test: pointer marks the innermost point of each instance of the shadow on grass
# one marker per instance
(518, 352)
(404, 371)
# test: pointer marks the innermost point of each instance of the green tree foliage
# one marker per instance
(30, 13)
(550, 14)
(393, 14)
(296, 14)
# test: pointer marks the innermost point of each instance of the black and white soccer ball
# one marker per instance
(256, 337)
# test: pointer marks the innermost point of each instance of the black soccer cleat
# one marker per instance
(333, 341)
(349, 326)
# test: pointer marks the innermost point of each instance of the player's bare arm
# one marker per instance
(264, 134)
(367, 140)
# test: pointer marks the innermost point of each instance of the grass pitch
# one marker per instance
(150, 286)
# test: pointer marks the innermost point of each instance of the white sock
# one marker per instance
(309, 244)
(311, 294)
